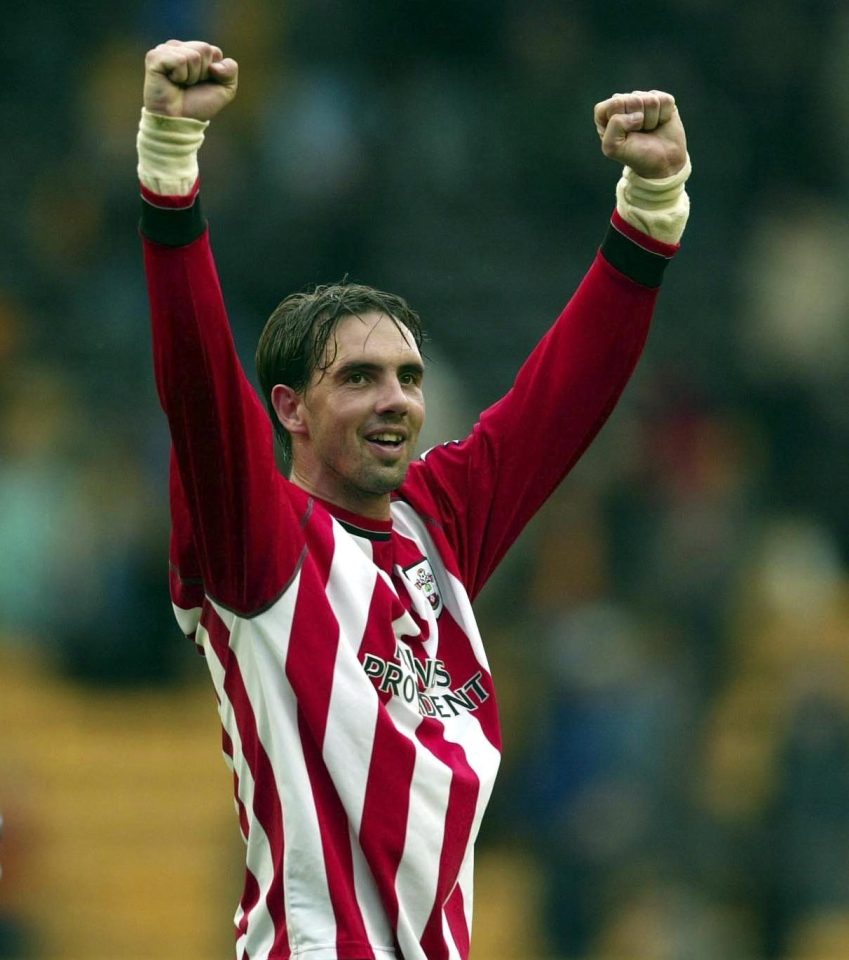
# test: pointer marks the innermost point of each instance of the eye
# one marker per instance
(410, 379)
(356, 377)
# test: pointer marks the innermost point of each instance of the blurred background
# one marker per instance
(670, 638)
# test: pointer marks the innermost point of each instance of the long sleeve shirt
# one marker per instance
(356, 701)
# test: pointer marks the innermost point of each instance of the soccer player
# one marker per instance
(334, 606)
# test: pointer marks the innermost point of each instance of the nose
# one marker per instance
(392, 397)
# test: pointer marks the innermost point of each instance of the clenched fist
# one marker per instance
(188, 79)
(643, 130)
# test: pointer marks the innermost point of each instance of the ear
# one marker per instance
(289, 407)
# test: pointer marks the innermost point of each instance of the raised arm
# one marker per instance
(233, 527)
(643, 131)
(484, 489)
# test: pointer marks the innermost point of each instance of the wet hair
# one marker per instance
(294, 343)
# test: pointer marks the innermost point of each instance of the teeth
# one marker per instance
(387, 437)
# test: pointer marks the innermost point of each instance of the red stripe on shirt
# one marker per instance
(386, 805)
(310, 667)
(227, 747)
(455, 913)
(250, 898)
(459, 819)
(266, 802)
(335, 830)
(464, 666)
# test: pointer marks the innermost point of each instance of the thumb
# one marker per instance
(617, 130)
(225, 71)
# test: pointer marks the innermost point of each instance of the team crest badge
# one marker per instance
(422, 578)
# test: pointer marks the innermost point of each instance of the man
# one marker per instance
(334, 607)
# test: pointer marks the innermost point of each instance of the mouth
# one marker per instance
(387, 442)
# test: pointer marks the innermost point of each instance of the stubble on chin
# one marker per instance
(387, 481)
(379, 480)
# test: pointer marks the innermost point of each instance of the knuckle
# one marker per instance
(155, 57)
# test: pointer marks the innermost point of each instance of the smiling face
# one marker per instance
(355, 427)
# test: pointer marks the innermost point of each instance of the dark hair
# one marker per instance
(293, 344)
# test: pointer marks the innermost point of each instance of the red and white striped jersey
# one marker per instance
(356, 701)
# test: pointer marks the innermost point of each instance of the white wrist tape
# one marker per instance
(657, 207)
(168, 152)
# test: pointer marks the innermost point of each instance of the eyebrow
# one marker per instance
(365, 366)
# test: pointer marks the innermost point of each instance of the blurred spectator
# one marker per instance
(39, 438)
(116, 627)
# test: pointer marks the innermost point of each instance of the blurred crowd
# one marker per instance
(671, 636)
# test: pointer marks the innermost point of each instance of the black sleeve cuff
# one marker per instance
(642, 265)
(172, 227)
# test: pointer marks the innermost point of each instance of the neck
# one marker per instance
(374, 506)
